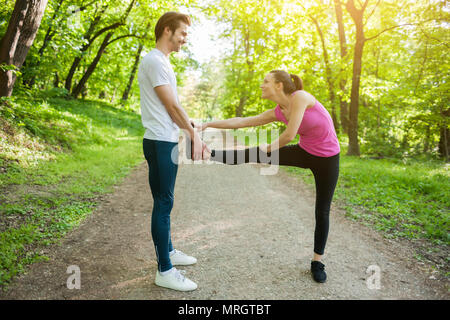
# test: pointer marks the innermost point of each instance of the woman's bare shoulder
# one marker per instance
(305, 97)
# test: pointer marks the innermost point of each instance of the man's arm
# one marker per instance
(179, 116)
(176, 112)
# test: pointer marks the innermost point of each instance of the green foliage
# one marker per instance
(402, 198)
(57, 156)
(49, 123)
(406, 200)
(49, 140)
(66, 27)
(4, 67)
(404, 80)
(13, 255)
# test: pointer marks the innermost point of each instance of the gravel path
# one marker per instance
(252, 235)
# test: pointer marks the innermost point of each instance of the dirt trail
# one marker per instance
(252, 235)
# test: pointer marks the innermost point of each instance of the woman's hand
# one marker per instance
(203, 126)
(200, 127)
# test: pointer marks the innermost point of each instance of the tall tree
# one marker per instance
(342, 78)
(106, 42)
(328, 73)
(22, 28)
(357, 16)
(90, 37)
(444, 138)
(80, 85)
(137, 58)
(54, 21)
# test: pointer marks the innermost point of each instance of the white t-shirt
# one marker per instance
(155, 70)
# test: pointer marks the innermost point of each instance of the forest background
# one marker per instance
(69, 97)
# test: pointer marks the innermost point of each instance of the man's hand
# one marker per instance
(197, 147)
(193, 124)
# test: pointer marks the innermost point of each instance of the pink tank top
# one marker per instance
(317, 134)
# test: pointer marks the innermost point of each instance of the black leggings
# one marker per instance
(324, 169)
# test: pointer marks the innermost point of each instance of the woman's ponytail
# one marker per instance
(298, 83)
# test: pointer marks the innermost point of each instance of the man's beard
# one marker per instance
(175, 45)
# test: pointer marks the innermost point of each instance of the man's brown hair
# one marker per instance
(171, 20)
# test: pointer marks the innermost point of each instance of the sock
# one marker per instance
(166, 272)
(171, 253)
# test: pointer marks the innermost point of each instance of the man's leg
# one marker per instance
(162, 176)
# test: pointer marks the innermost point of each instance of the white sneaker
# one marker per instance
(175, 280)
(179, 258)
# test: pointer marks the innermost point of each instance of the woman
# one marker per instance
(317, 150)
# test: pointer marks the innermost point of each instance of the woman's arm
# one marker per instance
(299, 103)
(240, 122)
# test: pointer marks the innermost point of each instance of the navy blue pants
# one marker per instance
(162, 173)
(324, 169)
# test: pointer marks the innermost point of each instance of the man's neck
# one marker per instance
(163, 48)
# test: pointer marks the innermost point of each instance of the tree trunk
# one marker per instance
(56, 80)
(84, 48)
(328, 75)
(376, 83)
(353, 144)
(426, 144)
(247, 77)
(133, 73)
(50, 33)
(73, 68)
(77, 60)
(8, 45)
(444, 139)
(22, 28)
(343, 82)
(79, 87)
(357, 16)
(92, 38)
(28, 31)
(240, 107)
(48, 37)
(113, 98)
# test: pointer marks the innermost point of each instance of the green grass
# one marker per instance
(403, 198)
(56, 157)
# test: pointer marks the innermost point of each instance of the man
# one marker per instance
(162, 117)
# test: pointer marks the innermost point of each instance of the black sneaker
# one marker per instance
(318, 271)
